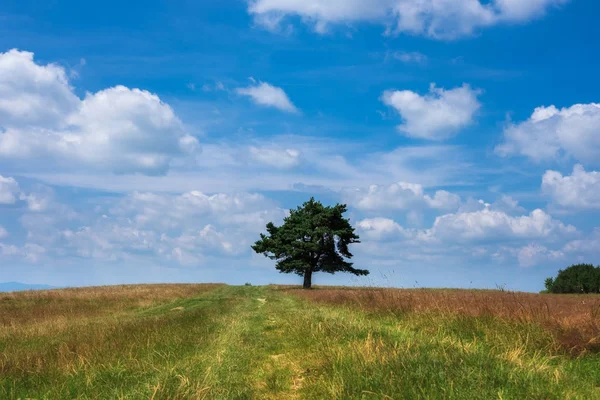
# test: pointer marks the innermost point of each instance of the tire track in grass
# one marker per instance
(252, 357)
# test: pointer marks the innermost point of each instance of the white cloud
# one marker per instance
(165, 211)
(438, 115)
(227, 167)
(483, 234)
(443, 200)
(484, 225)
(216, 87)
(588, 246)
(274, 157)
(110, 240)
(270, 96)
(520, 10)
(447, 19)
(43, 226)
(9, 190)
(580, 190)
(410, 57)
(206, 237)
(33, 252)
(399, 196)
(117, 129)
(182, 229)
(381, 229)
(120, 242)
(3, 232)
(32, 94)
(496, 225)
(534, 254)
(29, 252)
(507, 205)
(37, 201)
(185, 227)
(551, 133)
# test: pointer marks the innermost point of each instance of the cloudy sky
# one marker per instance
(152, 141)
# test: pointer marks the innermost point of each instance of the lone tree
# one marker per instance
(313, 238)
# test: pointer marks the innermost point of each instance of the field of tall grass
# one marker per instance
(574, 320)
(274, 342)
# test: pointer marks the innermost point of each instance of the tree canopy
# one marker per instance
(579, 278)
(313, 238)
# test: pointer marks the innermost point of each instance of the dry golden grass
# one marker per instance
(62, 328)
(19, 308)
(574, 320)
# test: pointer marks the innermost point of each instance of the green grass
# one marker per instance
(261, 343)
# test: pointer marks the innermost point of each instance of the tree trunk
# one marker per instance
(307, 279)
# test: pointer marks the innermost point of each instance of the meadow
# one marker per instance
(278, 342)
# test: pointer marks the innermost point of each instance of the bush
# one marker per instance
(579, 278)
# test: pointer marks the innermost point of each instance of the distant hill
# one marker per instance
(18, 286)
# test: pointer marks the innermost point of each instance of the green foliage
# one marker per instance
(548, 283)
(579, 278)
(313, 238)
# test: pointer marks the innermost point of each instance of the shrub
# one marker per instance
(579, 278)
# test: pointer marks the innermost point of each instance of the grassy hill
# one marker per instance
(225, 342)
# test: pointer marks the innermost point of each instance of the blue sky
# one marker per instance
(152, 141)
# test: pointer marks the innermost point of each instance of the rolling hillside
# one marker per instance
(226, 342)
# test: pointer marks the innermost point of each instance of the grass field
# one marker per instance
(274, 342)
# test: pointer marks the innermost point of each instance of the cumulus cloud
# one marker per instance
(507, 205)
(27, 252)
(228, 222)
(182, 228)
(269, 96)
(117, 129)
(165, 211)
(447, 19)
(534, 254)
(32, 94)
(381, 229)
(578, 250)
(42, 227)
(109, 240)
(580, 190)
(519, 10)
(504, 204)
(274, 157)
(475, 226)
(9, 190)
(207, 237)
(551, 133)
(529, 239)
(40, 199)
(589, 246)
(175, 228)
(438, 115)
(399, 196)
(487, 224)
